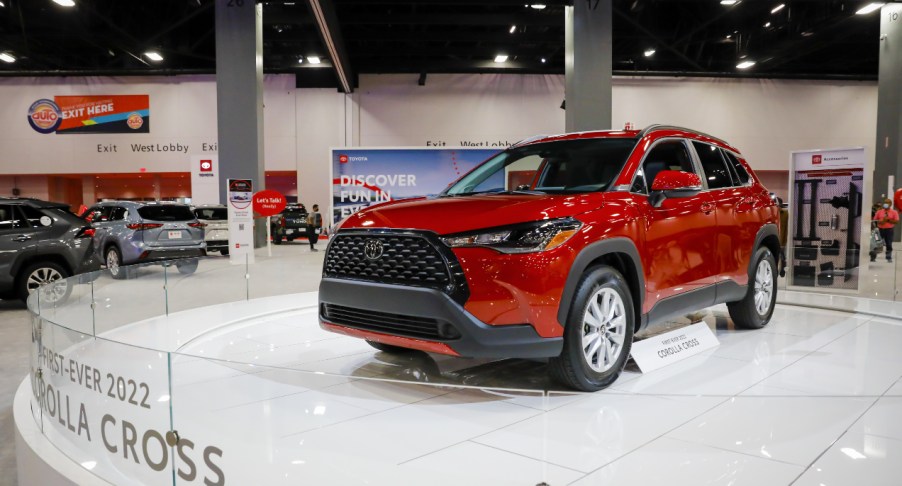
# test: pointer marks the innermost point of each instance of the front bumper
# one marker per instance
(364, 309)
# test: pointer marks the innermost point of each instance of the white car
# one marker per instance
(215, 216)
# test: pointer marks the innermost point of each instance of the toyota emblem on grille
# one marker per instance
(372, 249)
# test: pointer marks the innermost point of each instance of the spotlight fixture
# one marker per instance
(313, 59)
(513, 29)
(745, 64)
(543, 60)
(2, 4)
(501, 58)
(777, 8)
(766, 25)
(538, 6)
(7, 57)
(871, 7)
(649, 52)
(65, 3)
(300, 59)
(729, 3)
(154, 56)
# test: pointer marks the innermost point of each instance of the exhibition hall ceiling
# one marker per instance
(813, 39)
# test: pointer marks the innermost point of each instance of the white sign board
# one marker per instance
(205, 179)
(241, 220)
(670, 347)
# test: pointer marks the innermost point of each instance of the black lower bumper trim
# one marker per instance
(416, 304)
(171, 253)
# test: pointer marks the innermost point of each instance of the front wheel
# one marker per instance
(598, 334)
(113, 261)
(756, 308)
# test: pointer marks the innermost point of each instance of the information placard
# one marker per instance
(241, 220)
(664, 349)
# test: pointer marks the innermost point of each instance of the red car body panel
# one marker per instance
(686, 244)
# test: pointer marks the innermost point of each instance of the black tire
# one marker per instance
(389, 348)
(745, 312)
(290, 239)
(37, 274)
(572, 368)
(224, 252)
(187, 267)
(112, 258)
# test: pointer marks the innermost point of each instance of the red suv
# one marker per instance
(560, 247)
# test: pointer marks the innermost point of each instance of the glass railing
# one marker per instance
(210, 372)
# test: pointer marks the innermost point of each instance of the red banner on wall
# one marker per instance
(92, 114)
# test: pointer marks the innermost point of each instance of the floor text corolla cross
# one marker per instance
(560, 247)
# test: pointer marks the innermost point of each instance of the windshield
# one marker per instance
(570, 166)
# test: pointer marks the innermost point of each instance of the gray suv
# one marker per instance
(41, 242)
(133, 232)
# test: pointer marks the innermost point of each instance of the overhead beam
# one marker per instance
(330, 33)
(666, 45)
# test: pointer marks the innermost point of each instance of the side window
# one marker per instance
(667, 155)
(739, 169)
(34, 216)
(10, 218)
(716, 171)
(118, 213)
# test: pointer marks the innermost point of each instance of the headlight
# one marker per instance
(524, 238)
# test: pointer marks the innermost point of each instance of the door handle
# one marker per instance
(22, 238)
(707, 207)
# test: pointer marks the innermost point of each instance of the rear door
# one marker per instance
(18, 241)
(168, 225)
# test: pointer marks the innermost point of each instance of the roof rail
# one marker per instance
(645, 131)
(530, 139)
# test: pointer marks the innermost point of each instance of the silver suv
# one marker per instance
(216, 232)
(129, 232)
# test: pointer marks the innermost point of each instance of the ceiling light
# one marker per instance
(65, 3)
(538, 6)
(2, 4)
(513, 29)
(745, 64)
(153, 56)
(767, 25)
(7, 57)
(870, 8)
(649, 52)
(501, 58)
(777, 8)
(300, 60)
(543, 60)
(313, 59)
(729, 2)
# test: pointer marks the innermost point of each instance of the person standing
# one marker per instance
(887, 218)
(315, 224)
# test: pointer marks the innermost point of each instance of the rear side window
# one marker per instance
(10, 218)
(739, 169)
(118, 213)
(213, 214)
(34, 216)
(166, 213)
(716, 171)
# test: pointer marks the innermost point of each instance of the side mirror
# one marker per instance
(673, 184)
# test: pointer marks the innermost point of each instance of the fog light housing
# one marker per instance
(447, 331)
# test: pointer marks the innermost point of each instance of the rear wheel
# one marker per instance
(756, 308)
(39, 274)
(598, 334)
(389, 348)
(186, 268)
(113, 261)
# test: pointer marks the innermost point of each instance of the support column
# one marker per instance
(588, 67)
(888, 150)
(239, 96)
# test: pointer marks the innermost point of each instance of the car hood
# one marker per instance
(456, 214)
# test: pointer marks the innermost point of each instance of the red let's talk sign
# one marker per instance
(268, 202)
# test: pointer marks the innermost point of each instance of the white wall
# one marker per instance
(765, 119)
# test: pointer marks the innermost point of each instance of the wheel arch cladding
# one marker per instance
(767, 237)
(618, 253)
(52, 257)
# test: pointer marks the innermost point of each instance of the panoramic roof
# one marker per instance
(810, 39)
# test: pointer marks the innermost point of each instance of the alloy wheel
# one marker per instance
(47, 276)
(112, 262)
(764, 287)
(604, 329)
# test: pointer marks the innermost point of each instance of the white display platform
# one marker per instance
(286, 403)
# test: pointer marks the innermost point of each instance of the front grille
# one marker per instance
(388, 323)
(406, 260)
